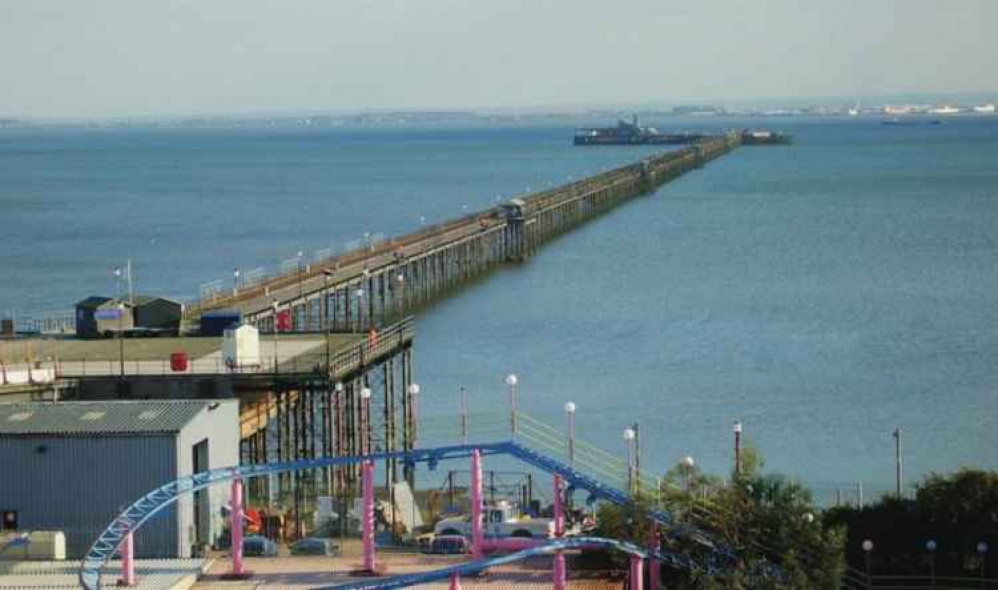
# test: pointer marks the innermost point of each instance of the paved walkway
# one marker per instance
(153, 574)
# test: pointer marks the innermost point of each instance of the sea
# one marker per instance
(823, 293)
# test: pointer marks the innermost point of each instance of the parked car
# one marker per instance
(257, 546)
(314, 546)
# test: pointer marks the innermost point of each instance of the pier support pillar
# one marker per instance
(367, 517)
(238, 567)
(477, 535)
(127, 561)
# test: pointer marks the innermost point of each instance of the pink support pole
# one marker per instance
(654, 566)
(455, 581)
(127, 561)
(477, 536)
(368, 516)
(637, 572)
(559, 531)
(238, 568)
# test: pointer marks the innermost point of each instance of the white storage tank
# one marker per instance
(241, 347)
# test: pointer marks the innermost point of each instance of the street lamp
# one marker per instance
(982, 550)
(867, 549)
(688, 463)
(235, 281)
(570, 414)
(463, 402)
(930, 546)
(413, 392)
(365, 418)
(300, 288)
(738, 448)
(629, 435)
(511, 380)
(121, 339)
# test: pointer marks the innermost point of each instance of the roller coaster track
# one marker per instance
(138, 513)
(478, 565)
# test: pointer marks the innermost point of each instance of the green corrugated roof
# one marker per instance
(103, 417)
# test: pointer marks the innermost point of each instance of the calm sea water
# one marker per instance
(823, 293)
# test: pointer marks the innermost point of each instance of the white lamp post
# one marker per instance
(511, 380)
(629, 435)
(738, 448)
(570, 415)
(931, 546)
(982, 549)
(463, 402)
(688, 463)
(365, 419)
(867, 549)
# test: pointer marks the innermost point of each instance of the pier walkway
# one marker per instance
(378, 283)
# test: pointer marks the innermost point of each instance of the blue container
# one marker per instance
(214, 323)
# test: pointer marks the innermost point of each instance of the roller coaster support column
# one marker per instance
(238, 568)
(477, 538)
(559, 531)
(654, 566)
(637, 572)
(127, 561)
(368, 516)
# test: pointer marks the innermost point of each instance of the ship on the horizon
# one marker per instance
(630, 133)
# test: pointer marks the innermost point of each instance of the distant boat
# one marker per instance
(985, 108)
(910, 121)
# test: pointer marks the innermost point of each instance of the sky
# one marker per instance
(125, 58)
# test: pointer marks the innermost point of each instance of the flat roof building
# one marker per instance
(71, 466)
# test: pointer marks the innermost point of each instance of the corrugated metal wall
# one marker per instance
(77, 484)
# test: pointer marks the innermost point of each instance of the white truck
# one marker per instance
(500, 520)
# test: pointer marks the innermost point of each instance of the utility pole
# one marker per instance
(897, 459)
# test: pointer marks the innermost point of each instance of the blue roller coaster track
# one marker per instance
(138, 513)
(478, 565)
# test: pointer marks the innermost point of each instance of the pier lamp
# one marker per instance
(930, 546)
(629, 436)
(511, 380)
(413, 393)
(463, 403)
(121, 337)
(738, 448)
(365, 415)
(867, 550)
(570, 415)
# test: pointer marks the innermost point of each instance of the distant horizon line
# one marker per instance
(520, 110)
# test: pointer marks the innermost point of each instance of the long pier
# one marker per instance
(373, 286)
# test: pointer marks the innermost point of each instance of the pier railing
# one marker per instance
(340, 362)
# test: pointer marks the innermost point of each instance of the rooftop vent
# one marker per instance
(92, 416)
(149, 414)
(19, 417)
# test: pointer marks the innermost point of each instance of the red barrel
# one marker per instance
(178, 361)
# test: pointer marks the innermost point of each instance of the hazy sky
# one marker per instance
(74, 58)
